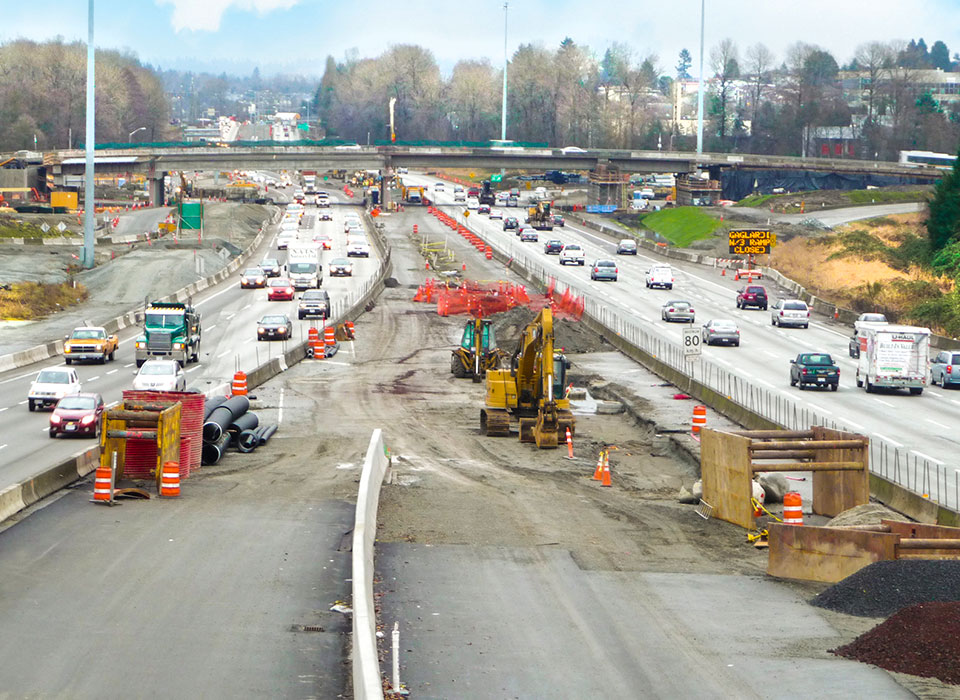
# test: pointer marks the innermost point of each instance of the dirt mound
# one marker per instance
(922, 640)
(572, 336)
(884, 587)
(866, 514)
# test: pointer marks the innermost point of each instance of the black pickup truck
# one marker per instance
(814, 369)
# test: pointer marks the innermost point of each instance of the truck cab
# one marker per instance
(303, 267)
(171, 330)
(89, 343)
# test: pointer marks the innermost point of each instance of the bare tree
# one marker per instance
(759, 62)
(474, 99)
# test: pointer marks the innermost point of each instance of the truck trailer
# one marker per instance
(894, 357)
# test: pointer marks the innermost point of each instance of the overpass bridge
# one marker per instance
(155, 161)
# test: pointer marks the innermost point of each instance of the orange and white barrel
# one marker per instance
(103, 485)
(699, 419)
(239, 385)
(792, 509)
(170, 480)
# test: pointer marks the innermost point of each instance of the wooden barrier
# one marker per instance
(129, 421)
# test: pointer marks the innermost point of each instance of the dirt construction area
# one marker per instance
(453, 490)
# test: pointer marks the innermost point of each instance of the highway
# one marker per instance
(920, 425)
(229, 317)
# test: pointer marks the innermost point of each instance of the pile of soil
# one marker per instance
(866, 514)
(884, 587)
(569, 334)
(922, 640)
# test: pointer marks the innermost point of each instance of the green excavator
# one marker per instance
(478, 351)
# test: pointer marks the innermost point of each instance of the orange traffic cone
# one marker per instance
(598, 472)
(723, 272)
(569, 444)
(605, 476)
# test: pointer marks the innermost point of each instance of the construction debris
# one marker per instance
(866, 514)
(884, 587)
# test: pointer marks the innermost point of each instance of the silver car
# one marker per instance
(945, 368)
(721, 330)
(790, 312)
(678, 310)
(160, 375)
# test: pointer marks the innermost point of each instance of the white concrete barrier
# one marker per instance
(366, 665)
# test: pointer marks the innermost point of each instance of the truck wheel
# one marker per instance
(30, 405)
(916, 390)
(859, 381)
(140, 363)
(869, 386)
(833, 387)
(103, 359)
(68, 360)
(112, 353)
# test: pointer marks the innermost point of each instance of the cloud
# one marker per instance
(205, 15)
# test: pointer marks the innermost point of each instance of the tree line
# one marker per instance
(43, 96)
(757, 102)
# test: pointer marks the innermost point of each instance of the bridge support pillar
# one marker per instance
(386, 175)
(608, 186)
(155, 188)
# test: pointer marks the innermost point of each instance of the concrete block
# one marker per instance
(11, 501)
(608, 408)
(577, 394)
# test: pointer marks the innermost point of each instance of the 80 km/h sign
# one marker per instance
(691, 344)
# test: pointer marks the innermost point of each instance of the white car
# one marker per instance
(352, 225)
(347, 147)
(286, 238)
(573, 149)
(790, 312)
(439, 187)
(496, 214)
(358, 249)
(472, 203)
(660, 276)
(572, 254)
(51, 385)
(460, 196)
(160, 375)
(289, 224)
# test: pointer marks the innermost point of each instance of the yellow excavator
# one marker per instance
(540, 217)
(532, 390)
(478, 351)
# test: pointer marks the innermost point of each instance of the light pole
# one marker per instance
(503, 109)
(88, 195)
(138, 129)
(700, 88)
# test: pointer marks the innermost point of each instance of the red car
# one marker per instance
(77, 415)
(279, 289)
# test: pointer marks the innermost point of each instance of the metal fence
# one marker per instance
(903, 466)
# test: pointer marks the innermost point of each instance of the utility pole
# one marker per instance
(700, 87)
(88, 198)
(503, 109)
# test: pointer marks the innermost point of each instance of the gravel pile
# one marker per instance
(884, 587)
(866, 514)
(922, 640)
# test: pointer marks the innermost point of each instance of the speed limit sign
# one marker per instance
(691, 344)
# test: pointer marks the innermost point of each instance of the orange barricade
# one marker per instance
(170, 480)
(350, 332)
(313, 340)
(103, 485)
(699, 419)
(329, 336)
(792, 509)
(239, 386)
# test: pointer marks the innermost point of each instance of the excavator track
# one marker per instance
(494, 422)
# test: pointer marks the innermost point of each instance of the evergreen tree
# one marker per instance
(683, 65)
(943, 224)
(940, 56)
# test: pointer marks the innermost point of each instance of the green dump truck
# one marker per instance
(170, 331)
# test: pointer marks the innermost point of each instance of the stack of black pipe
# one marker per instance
(228, 421)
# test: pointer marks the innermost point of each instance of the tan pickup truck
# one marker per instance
(89, 343)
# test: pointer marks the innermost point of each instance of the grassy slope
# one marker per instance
(682, 225)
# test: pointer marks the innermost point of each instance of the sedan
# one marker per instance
(722, 331)
(496, 214)
(77, 415)
(274, 327)
(529, 235)
(270, 267)
(325, 214)
(627, 246)
(603, 270)
(358, 249)
(253, 278)
(160, 375)
(279, 289)
(324, 240)
(553, 246)
(341, 267)
(439, 187)
(677, 310)
(558, 220)
(483, 209)
(511, 223)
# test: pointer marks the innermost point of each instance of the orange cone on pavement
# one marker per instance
(699, 420)
(605, 476)
(598, 472)
(569, 444)
(103, 485)
(170, 480)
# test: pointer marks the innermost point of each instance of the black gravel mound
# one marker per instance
(885, 587)
(923, 640)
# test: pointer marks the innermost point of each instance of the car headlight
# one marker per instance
(178, 346)
(261, 330)
(55, 419)
(67, 350)
(87, 420)
(141, 345)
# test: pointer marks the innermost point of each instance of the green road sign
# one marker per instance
(303, 127)
(496, 178)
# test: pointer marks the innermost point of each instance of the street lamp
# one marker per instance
(138, 129)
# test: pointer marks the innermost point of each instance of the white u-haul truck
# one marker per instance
(895, 357)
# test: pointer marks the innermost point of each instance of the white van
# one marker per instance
(660, 276)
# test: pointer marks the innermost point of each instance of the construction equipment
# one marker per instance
(540, 217)
(487, 195)
(413, 194)
(478, 351)
(532, 390)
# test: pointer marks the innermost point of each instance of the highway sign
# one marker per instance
(61, 227)
(751, 241)
(45, 227)
(466, 213)
(496, 177)
(691, 344)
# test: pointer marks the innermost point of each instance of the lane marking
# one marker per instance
(926, 457)
(131, 364)
(113, 371)
(933, 393)
(939, 425)
(955, 401)
(884, 437)
(223, 354)
(889, 405)
(854, 425)
(3, 445)
(93, 379)
(21, 403)
(818, 408)
(45, 430)
(770, 353)
(280, 408)
(193, 369)
(210, 328)
(230, 316)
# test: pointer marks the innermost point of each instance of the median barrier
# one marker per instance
(366, 664)
(11, 501)
(38, 353)
(55, 478)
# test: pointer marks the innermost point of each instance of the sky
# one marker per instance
(296, 36)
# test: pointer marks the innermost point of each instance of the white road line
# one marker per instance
(854, 425)
(193, 369)
(955, 401)
(223, 354)
(45, 430)
(771, 354)
(4, 409)
(129, 364)
(113, 371)
(933, 393)
(820, 408)
(889, 405)
(939, 425)
(884, 437)
(3, 445)
(926, 457)
(230, 316)
(280, 408)
(93, 379)
(21, 403)
(210, 328)
(765, 382)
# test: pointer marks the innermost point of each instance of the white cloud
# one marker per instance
(205, 15)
